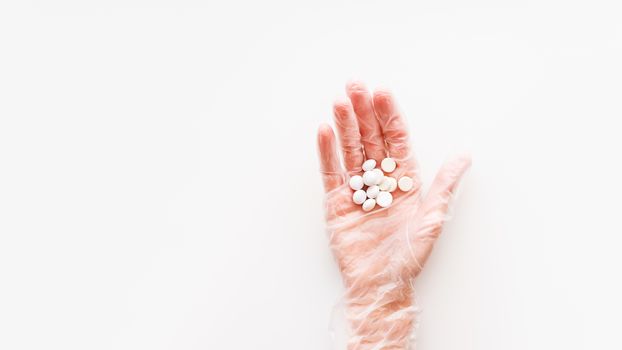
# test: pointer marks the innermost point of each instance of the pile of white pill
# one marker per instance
(374, 187)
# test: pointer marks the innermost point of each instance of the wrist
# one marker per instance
(382, 318)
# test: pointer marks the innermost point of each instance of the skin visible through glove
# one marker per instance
(380, 252)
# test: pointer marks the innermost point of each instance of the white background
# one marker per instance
(159, 184)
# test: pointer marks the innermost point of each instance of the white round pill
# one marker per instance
(369, 164)
(388, 165)
(369, 178)
(385, 184)
(369, 204)
(392, 184)
(405, 183)
(379, 176)
(384, 199)
(373, 191)
(356, 182)
(359, 197)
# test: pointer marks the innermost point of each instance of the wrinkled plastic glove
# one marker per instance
(379, 253)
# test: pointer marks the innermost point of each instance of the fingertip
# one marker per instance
(461, 162)
(383, 94)
(341, 104)
(325, 134)
(383, 102)
(355, 86)
(342, 109)
(325, 129)
(326, 141)
(452, 172)
(466, 159)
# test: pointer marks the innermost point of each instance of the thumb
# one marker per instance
(429, 218)
(436, 203)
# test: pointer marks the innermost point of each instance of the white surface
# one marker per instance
(117, 118)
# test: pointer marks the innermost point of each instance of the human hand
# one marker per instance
(380, 252)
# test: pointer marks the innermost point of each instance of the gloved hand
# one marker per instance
(379, 253)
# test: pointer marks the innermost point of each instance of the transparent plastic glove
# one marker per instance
(379, 253)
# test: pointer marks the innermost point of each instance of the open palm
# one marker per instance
(380, 252)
